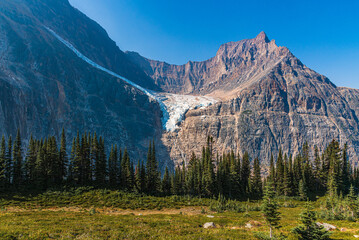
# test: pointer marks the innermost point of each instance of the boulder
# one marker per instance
(248, 225)
(327, 226)
(209, 225)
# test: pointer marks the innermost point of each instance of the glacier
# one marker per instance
(173, 106)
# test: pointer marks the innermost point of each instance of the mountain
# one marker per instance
(58, 68)
(45, 86)
(268, 99)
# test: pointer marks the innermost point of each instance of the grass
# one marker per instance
(117, 215)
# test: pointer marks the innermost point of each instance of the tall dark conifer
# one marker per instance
(17, 160)
(2, 163)
(9, 164)
(63, 160)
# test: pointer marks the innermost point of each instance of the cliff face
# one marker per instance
(44, 86)
(269, 100)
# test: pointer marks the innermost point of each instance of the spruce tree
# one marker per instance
(113, 167)
(272, 174)
(256, 182)
(30, 164)
(208, 176)
(140, 177)
(245, 173)
(308, 229)
(286, 177)
(346, 171)
(9, 165)
(127, 178)
(302, 190)
(153, 175)
(41, 171)
(54, 165)
(71, 169)
(279, 174)
(17, 161)
(63, 160)
(2, 163)
(166, 183)
(352, 202)
(270, 209)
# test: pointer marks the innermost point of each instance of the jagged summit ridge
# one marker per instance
(235, 66)
(262, 36)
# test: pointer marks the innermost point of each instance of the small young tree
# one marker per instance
(352, 202)
(270, 208)
(308, 229)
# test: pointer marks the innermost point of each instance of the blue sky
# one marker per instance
(324, 35)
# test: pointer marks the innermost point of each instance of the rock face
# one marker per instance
(269, 100)
(44, 86)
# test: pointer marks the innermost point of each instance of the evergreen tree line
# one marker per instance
(306, 175)
(46, 164)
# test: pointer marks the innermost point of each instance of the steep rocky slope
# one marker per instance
(270, 100)
(44, 86)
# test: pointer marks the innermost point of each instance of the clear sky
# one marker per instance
(324, 35)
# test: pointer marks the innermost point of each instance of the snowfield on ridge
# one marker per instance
(173, 106)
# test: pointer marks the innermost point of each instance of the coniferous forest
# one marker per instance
(46, 164)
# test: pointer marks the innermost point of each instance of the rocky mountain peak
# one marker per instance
(262, 36)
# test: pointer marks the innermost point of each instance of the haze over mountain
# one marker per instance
(251, 96)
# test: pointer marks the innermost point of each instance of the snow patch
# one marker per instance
(173, 106)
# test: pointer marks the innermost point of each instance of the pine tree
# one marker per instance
(140, 177)
(308, 229)
(279, 174)
(191, 178)
(63, 160)
(352, 202)
(97, 159)
(2, 163)
(17, 161)
(245, 173)
(77, 169)
(270, 208)
(30, 164)
(113, 167)
(127, 178)
(256, 182)
(286, 177)
(208, 176)
(346, 171)
(54, 165)
(303, 195)
(272, 174)
(8, 168)
(235, 176)
(41, 173)
(153, 175)
(71, 168)
(166, 183)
